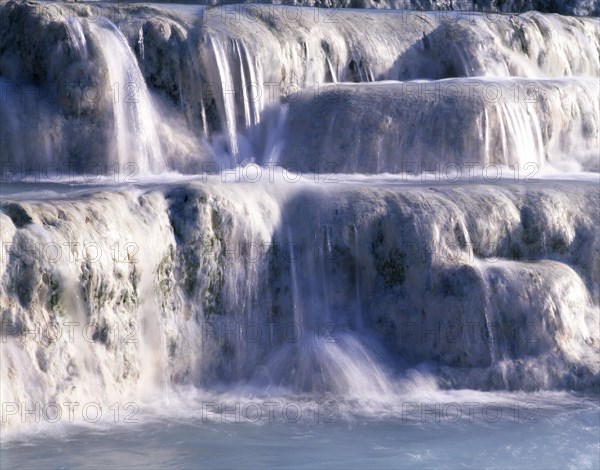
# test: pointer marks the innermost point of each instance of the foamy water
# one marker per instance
(269, 239)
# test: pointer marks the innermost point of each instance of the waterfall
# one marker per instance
(136, 137)
(381, 205)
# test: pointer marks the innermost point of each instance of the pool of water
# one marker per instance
(489, 431)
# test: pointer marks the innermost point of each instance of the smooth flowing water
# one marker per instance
(289, 237)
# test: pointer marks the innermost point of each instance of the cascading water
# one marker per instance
(136, 137)
(325, 354)
(390, 207)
